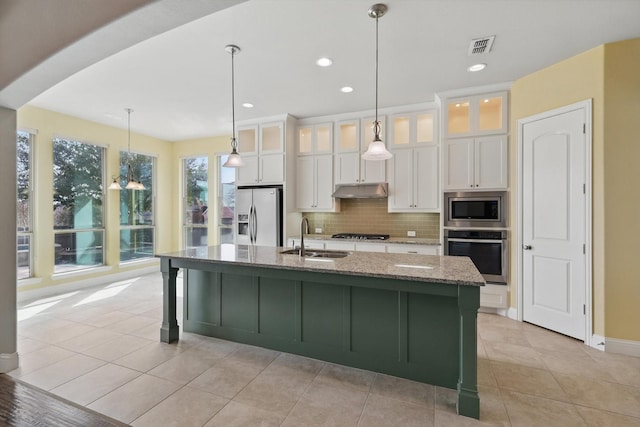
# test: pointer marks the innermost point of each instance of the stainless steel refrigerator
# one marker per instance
(259, 216)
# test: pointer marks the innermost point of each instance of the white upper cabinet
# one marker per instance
(314, 184)
(476, 163)
(315, 139)
(352, 139)
(412, 130)
(476, 115)
(414, 169)
(262, 150)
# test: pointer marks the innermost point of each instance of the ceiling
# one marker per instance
(179, 82)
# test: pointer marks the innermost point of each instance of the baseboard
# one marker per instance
(512, 313)
(615, 345)
(8, 362)
(84, 283)
(597, 342)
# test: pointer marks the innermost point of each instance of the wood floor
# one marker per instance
(24, 405)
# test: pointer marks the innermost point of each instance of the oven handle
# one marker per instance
(474, 240)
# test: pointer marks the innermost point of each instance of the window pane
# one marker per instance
(227, 202)
(77, 185)
(23, 166)
(136, 206)
(24, 256)
(78, 250)
(196, 190)
(195, 236)
(136, 244)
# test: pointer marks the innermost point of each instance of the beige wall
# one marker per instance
(610, 76)
(622, 197)
(48, 125)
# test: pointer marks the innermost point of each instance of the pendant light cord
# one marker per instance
(233, 103)
(377, 70)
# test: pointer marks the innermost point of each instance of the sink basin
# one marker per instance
(317, 253)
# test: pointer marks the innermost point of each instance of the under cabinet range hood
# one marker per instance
(361, 191)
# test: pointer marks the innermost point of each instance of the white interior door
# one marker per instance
(553, 222)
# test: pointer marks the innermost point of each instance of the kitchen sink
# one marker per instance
(317, 253)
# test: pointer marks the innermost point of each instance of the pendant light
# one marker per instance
(377, 149)
(234, 160)
(132, 184)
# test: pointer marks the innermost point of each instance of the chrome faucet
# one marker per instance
(303, 222)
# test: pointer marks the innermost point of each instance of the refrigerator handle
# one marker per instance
(255, 225)
(252, 220)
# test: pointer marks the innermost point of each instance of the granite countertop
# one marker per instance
(398, 240)
(424, 268)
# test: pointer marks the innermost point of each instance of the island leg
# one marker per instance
(468, 303)
(169, 331)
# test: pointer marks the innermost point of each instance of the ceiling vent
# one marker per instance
(482, 45)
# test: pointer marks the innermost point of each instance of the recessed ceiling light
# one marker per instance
(247, 105)
(346, 89)
(324, 62)
(486, 100)
(476, 67)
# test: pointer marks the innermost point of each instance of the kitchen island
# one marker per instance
(412, 316)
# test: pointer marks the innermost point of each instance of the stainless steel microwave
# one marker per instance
(486, 209)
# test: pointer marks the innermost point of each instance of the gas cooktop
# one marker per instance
(360, 236)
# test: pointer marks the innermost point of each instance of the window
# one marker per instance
(137, 209)
(24, 220)
(226, 201)
(77, 205)
(196, 197)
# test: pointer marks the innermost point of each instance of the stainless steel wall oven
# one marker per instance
(487, 249)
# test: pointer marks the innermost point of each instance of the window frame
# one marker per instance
(186, 226)
(30, 208)
(103, 201)
(220, 159)
(152, 226)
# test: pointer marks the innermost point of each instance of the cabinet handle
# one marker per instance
(471, 186)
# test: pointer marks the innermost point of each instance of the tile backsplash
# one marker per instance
(371, 216)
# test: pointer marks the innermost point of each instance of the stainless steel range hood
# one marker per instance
(361, 191)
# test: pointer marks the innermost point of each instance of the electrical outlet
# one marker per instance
(318, 230)
(411, 234)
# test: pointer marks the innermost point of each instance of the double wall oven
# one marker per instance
(475, 225)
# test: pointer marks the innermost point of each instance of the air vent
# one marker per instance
(482, 45)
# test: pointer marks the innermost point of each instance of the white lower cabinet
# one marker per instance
(394, 248)
(413, 249)
(494, 296)
(340, 246)
(308, 244)
(371, 247)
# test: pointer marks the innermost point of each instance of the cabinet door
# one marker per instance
(373, 171)
(340, 246)
(347, 168)
(305, 192)
(248, 174)
(305, 140)
(271, 138)
(401, 180)
(371, 247)
(491, 162)
(323, 138)
(458, 174)
(458, 118)
(347, 136)
(491, 113)
(324, 182)
(426, 188)
(248, 140)
(271, 169)
(413, 249)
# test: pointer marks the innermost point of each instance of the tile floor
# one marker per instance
(99, 348)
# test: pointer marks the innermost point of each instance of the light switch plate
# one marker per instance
(318, 230)
(411, 234)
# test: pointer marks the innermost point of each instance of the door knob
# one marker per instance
(527, 247)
